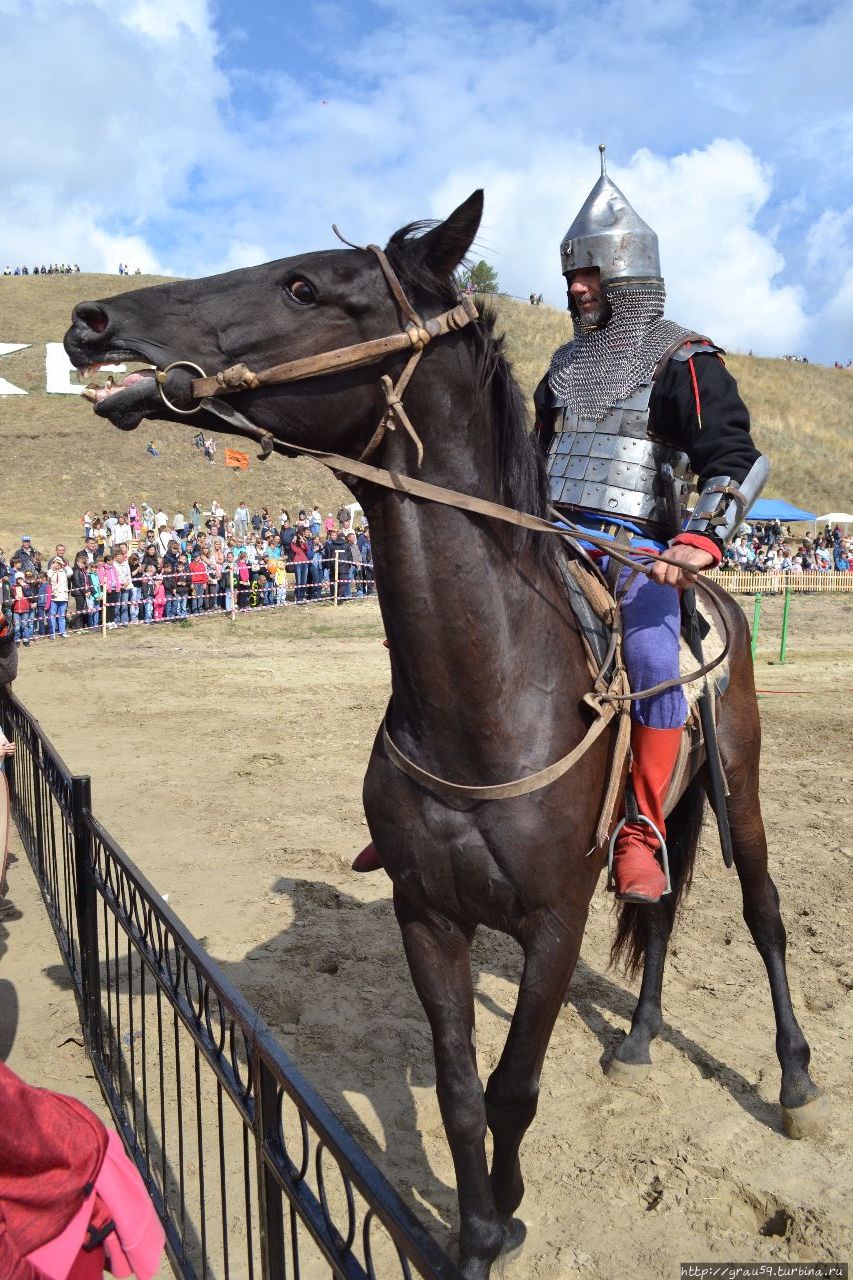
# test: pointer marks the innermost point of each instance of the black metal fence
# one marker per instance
(251, 1173)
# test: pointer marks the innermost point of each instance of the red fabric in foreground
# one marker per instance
(51, 1148)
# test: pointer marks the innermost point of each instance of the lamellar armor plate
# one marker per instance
(609, 465)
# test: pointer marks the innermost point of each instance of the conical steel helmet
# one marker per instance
(607, 233)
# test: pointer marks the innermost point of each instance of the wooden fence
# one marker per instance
(738, 582)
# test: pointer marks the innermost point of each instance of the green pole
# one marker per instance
(756, 623)
(783, 646)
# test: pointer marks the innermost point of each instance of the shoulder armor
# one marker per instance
(696, 346)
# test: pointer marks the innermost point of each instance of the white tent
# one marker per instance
(835, 517)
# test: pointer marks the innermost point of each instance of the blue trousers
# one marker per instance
(651, 625)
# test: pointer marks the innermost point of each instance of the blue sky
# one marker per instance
(191, 136)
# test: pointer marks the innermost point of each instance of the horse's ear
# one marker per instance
(442, 249)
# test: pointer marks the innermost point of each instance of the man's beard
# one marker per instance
(587, 320)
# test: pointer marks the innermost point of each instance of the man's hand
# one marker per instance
(674, 567)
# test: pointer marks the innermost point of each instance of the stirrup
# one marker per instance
(664, 856)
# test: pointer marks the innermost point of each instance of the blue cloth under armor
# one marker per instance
(651, 627)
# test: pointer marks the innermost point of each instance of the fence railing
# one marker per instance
(741, 582)
(250, 1171)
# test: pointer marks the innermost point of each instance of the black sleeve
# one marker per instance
(547, 407)
(721, 445)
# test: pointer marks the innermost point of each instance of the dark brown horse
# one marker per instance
(487, 672)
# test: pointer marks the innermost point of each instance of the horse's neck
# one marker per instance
(474, 634)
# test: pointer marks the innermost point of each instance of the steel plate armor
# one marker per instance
(611, 466)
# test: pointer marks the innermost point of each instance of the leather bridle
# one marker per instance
(415, 336)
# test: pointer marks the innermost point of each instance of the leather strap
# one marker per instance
(415, 488)
(414, 338)
(604, 712)
(674, 346)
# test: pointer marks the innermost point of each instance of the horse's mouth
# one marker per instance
(126, 401)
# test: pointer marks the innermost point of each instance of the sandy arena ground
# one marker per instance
(228, 759)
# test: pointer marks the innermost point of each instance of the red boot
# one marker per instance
(636, 870)
(368, 859)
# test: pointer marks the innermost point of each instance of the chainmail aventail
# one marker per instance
(601, 367)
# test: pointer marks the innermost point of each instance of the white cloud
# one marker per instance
(837, 318)
(101, 122)
(721, 272)
(142, 140)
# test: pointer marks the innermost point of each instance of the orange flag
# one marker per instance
(235, 458)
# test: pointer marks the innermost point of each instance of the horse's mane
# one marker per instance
(520, 465)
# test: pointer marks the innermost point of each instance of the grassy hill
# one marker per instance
(58, 459)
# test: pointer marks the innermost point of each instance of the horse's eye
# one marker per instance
(301, 291)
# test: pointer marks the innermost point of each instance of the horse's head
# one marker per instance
(263, 316)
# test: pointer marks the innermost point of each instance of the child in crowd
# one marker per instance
(280, 574)
(94, 596)
(58, 580)
(198, 577)
(43, 598)
(80, 587)
(182, 587)
(146, 592)
(243, 577)
(110, 585)
(21, 610)
(159, 597)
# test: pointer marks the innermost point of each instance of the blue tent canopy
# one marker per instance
(777, 509)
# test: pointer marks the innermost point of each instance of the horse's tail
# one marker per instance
(682, 831)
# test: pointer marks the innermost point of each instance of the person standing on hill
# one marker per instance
(629, 413)
(241, 523)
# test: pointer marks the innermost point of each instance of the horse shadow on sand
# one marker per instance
(334, 986)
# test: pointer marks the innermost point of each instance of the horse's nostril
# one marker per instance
(91, 315)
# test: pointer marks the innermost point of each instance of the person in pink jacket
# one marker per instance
(72, 1204)
(108, 578)
(159, 597)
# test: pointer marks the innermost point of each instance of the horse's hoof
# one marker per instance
(627, 1073)
(516, 1234)
(807, 1120)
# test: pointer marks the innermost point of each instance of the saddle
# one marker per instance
(596, 610)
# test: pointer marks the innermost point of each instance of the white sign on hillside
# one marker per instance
(58, 370)
(6, 349)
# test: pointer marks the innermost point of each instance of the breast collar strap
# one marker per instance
(415, 335)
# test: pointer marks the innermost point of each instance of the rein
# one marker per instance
(416, 334)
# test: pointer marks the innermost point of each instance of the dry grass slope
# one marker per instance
(59, 459)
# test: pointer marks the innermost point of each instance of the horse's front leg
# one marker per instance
(439, 957)
(551, 947)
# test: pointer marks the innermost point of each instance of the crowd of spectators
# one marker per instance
(142, 566)
(770, 548)
(55, 269)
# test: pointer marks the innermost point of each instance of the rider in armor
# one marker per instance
(631, 414)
